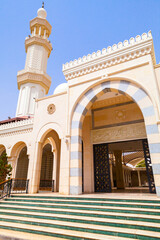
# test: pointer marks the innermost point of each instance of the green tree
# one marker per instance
(5, 168)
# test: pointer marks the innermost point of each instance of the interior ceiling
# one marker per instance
(108, 95)
(109, 99)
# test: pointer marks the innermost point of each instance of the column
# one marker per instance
(119, 169)
(35, 171)
(139, 178)
(64, 167)
(54, 169)
(40, 31)
(111, 173)
(34, 31)
(88, 166)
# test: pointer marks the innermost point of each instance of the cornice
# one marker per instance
(40, 22)
(39, 41)
(15, 128)
(118, 53)
(51, 96)
(157, 65)
(39, 78)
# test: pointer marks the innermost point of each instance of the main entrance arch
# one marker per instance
(136, 94)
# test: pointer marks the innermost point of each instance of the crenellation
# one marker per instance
(115, 47)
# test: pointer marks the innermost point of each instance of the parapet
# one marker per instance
(111, 55)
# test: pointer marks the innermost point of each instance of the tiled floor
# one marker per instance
(116, 194)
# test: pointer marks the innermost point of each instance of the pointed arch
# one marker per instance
(147, 108)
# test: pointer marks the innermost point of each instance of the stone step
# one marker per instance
(83, 219)
(17, 235)
(87, 202)
(86, 207)
(79, 230)
(54, 233)
(154, 199)
(80, 218)
(84, 212)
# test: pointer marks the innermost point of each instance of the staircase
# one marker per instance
(78, 218)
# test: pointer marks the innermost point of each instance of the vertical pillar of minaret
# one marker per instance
(33, 81)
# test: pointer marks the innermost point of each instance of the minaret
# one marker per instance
(33, 81)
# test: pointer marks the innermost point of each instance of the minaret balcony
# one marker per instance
(40, 22)
(31, 77)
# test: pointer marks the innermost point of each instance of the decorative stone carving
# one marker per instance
(119, 133)
(20, 127)
(40, 41)
(51, 108)
(39, 78)
(138, 46)
(120, 114)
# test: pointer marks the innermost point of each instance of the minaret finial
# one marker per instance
(42, 4)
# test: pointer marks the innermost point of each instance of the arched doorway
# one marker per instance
(46, 178)
(20, 170)
(3, 174)
(92, 109)
(2, 149)
(22, 164)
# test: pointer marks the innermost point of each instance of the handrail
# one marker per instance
(5, 181)
(13, 185)
(19, 178)
(11, 179)
(5, 189)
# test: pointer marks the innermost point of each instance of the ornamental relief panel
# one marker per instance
(119, 133)
(122, 113)
(51, 108)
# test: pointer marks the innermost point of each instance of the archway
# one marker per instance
(46, 177)
(48, 158)
(22, 164)
(3, 158)
(2, 149)
(18, 154)
(126, 89)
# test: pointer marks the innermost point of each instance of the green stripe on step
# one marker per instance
(130, 226)
(84, 208)
(44, 233)
(86, 203)
(88, 199)
(84, 214)
(128, 235)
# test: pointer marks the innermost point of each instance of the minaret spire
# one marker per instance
(33, 81)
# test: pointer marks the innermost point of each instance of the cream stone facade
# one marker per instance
(109, 107)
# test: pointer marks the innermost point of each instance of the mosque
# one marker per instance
(99, 131)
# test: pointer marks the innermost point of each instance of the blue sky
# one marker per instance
(79, 27)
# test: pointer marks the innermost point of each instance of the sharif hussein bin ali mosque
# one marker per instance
(99, 131)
